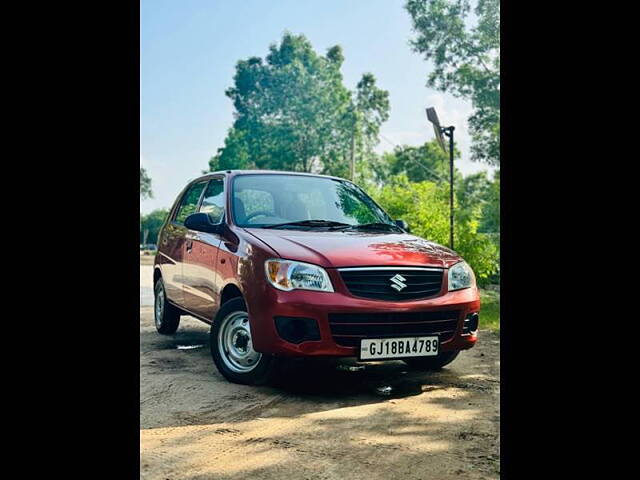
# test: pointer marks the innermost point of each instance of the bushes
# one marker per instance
(425, 207)
(152, 222)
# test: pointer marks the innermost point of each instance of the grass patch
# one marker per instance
(490, 310)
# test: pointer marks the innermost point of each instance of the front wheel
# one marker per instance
(232, 347)
(431, 363)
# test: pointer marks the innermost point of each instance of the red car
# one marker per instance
(298, 265)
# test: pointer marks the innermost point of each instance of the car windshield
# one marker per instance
(303, 202)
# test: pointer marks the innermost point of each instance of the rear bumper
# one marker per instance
(318, 305)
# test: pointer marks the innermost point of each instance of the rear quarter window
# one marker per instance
(213, 200)
(189, 202)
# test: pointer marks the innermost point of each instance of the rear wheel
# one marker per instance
(232, 347)
(432, 363)
(166, 316)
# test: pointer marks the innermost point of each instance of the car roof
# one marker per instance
(234, 173)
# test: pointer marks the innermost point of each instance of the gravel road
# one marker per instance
(319, 422)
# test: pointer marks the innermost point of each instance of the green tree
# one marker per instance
(478, 191)
(425, 207)
(491, 211)
(293, 112)
(472, 190)
(466, 58)
(234, 154)
(422, 163)
(145, 185)
(478, 201)
(368, 110)
(152, 222)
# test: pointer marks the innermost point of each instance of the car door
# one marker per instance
(173, 243)
(201, 254)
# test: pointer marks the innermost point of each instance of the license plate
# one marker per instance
(380, 348)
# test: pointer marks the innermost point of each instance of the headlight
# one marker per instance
(289, 275)
(461, 276)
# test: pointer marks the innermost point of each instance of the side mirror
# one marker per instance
(200, 222)
(402, 224)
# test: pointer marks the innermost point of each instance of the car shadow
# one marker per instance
(300, 386)
(339, 378)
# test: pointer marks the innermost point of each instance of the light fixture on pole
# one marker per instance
(448, 131)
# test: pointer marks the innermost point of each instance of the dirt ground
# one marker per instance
(318, 422)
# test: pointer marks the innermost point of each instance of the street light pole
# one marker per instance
(448, 131)
(352, 159)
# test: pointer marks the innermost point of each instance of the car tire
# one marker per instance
(432, 363)
(166, 316)
(232, 349)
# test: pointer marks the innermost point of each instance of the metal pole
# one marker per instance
(352, 162)
(450, 135)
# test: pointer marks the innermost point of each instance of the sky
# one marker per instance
(188, 53)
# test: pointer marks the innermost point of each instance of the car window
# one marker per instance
(269, 199)
(314, 203)
(189, 202)
(213, 201)
(252, 202)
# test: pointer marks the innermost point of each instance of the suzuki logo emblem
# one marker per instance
(397, 282)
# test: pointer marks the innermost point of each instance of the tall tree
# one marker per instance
(145, 185)
(491, 211)
(466, 57)
(422, 163)
(293, 112)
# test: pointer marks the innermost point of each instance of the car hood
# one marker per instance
(333, 249)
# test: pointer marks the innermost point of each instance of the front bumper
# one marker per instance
(270, 302)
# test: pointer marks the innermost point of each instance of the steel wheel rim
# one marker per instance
(159, 305)
(235, 345)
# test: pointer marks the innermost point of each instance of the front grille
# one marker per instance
(378, 283)
(348, 328)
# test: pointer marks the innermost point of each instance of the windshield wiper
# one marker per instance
(309, 223)
(375, 226)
